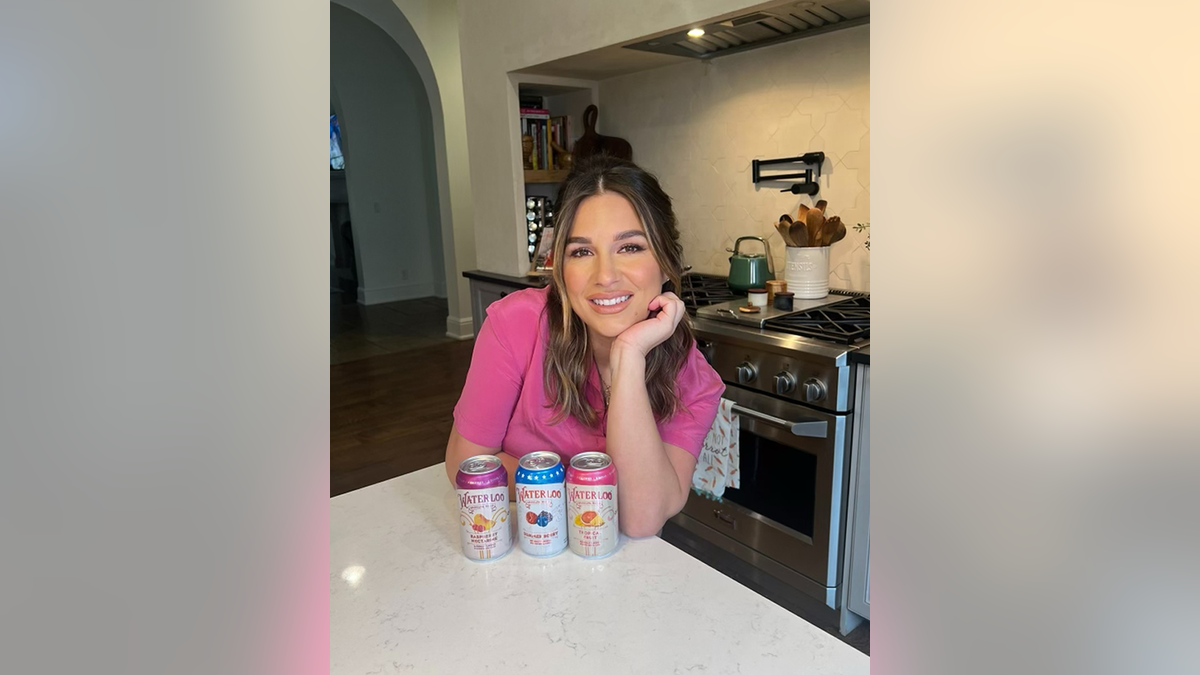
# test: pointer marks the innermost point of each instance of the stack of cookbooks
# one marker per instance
(544, 130)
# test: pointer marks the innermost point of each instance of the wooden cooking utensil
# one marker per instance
(782, 227)
(821, 205)
(833, 231)
(814, 221)
(826, 228)
(798, 232)
(839, 235)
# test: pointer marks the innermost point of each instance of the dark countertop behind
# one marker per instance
(505, 280)
(862, 356)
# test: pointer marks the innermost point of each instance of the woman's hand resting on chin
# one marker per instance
(645, 335)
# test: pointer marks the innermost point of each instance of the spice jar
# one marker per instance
(774, 286)
(757, 297)
(783, 301)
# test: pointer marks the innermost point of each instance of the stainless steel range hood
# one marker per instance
(789, 21)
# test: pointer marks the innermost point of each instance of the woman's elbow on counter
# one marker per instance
(641, 527)
(646, 525)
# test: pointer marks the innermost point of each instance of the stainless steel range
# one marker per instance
(793, 389)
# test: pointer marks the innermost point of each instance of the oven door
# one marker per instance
(786, 517)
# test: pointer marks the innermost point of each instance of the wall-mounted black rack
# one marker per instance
(813, 160)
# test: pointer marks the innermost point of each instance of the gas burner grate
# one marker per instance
(700, 290)
(847, 322)
(852, 294)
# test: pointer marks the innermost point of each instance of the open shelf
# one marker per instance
(550, 176)
(564, 99)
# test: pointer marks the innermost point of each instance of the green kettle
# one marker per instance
(750, 270)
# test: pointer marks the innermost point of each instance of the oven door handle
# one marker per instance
(809, 428)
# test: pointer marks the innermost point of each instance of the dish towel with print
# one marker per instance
(717, 466)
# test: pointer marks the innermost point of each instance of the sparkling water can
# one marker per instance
(482, 483)
(541, 504)
(592, 505)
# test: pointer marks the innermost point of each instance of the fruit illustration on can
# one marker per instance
(592, 504)
(541, 499)
(482, 483)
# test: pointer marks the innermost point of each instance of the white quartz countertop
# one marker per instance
(404, 599)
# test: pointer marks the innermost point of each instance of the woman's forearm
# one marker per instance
(459, 448)
(649, 484)
(510, 463)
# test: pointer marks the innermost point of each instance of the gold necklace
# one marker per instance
(603, 385)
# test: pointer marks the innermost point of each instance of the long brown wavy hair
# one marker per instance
(568, 357)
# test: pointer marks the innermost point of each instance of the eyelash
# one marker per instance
(577, 253)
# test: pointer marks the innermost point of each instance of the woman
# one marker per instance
(601, 359)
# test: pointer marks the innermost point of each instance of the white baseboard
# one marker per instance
(460, 328)
(374, 296)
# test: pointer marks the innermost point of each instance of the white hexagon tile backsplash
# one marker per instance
(697, 125)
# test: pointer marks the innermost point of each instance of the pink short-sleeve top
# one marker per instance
(504, 403)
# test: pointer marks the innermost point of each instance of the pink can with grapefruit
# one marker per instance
(592, 505)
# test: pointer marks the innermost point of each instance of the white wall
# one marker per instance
(390, 168)
(698, 125)
(427, 31)
(499, 37)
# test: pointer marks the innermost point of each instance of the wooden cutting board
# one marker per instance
(592, 143)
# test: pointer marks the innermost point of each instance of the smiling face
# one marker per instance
(608, 269)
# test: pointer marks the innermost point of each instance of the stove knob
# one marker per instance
(746, 373)
(814, 390)
(785, 383)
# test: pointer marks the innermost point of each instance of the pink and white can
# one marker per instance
(482, 483)
(592, 505)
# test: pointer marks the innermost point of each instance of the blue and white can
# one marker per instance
(541, 504)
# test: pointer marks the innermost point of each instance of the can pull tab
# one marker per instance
(721, 515)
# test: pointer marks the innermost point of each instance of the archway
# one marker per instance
(388, 18)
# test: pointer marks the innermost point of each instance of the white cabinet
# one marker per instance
(484, 293)
(488, 287)
(856, 603)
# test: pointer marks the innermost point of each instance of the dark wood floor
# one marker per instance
(391, 414)
(393, 383)
(392, 391)
(363, 331)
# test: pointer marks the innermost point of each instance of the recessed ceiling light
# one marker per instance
(696, 32)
